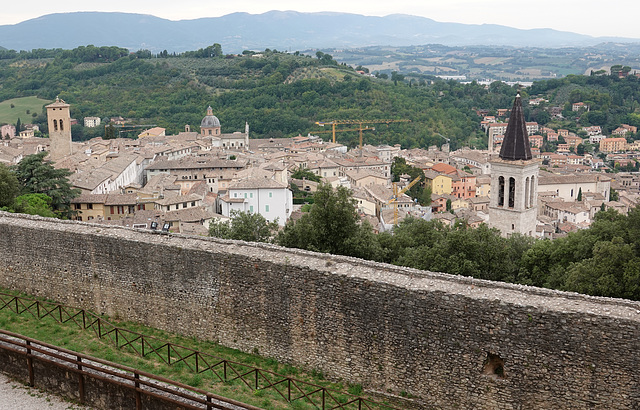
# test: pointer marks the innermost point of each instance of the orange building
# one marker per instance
(464, 185)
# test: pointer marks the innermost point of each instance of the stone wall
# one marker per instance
(452, 341)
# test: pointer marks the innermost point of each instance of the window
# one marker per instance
(270, 194)
(251, 195)
(193, 203)
(251, 209)
(266, 208)
(112, 210)
(77, 206)
(245, 195)
(512, 192)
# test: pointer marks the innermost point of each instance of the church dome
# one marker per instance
(210, 120)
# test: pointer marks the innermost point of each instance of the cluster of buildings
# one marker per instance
(183, 182)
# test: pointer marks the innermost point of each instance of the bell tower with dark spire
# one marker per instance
(514, 180)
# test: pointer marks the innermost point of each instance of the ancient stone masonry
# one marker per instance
(452, 341)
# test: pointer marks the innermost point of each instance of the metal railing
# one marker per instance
(141, 383)
(290, 389)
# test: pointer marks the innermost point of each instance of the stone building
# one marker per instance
(59, 121)
(514, 180)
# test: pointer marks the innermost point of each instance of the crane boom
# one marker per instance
(333, 124)
(396, 194)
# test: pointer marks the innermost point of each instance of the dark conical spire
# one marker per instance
(515, 145)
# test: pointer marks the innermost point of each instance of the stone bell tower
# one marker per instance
(513, 205)
(59, 121)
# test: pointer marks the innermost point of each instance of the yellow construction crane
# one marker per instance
(396, 195)
(333, 131)
(360, 128)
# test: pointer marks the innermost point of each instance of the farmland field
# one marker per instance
(23, 108)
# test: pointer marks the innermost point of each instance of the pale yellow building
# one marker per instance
(613, 145)
(440, 183)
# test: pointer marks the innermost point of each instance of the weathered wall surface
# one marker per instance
(386, 327)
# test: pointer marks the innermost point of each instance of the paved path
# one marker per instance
(17, 396)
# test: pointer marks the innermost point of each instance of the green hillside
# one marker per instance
(278, 94)
(25, 108)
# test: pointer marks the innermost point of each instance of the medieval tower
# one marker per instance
(514, 180)
(59, 121)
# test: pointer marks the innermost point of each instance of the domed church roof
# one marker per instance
(210, 120)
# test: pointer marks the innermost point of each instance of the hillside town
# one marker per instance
(180, 183)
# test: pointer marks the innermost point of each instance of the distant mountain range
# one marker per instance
(281, 30)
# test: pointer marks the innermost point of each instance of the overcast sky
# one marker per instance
(595, 18)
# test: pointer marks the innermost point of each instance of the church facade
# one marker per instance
(210, 128)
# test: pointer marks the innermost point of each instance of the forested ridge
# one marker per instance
(279, 94)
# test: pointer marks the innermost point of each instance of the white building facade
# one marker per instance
(268, 197)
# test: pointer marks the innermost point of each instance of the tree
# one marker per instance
(579, 197)
(305, 173)
(332, 225)
(425, 197)
(244, 226)
(34, 204)
(613, 195)
(109, 132)
(9, 187)
(37, 176)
